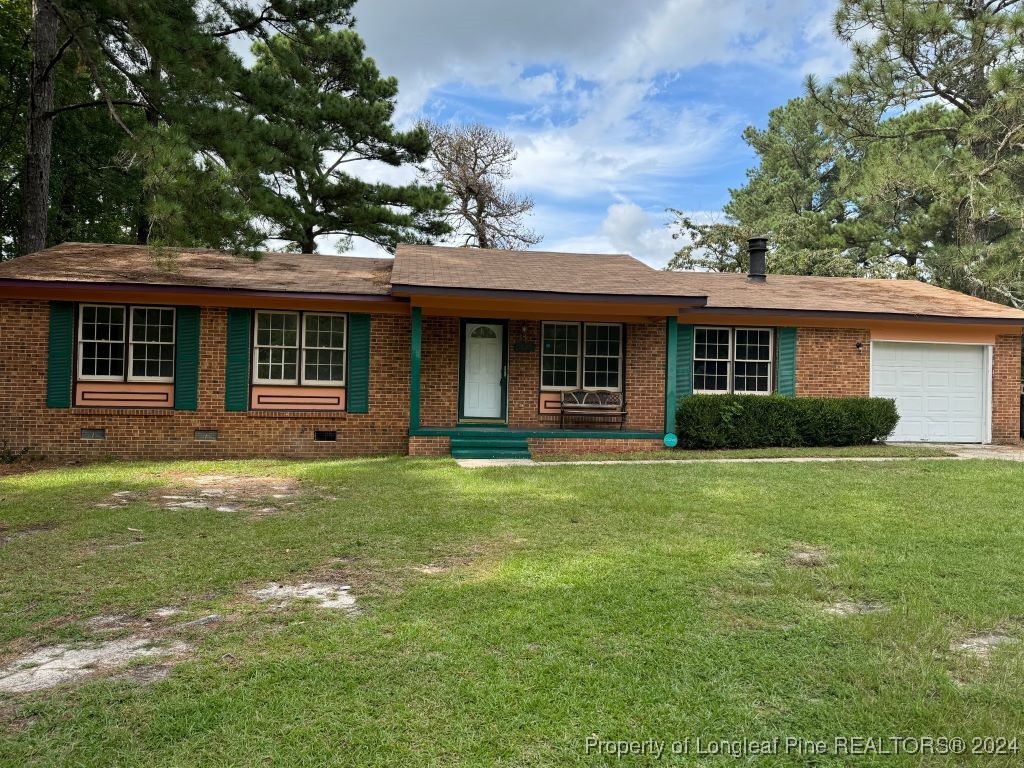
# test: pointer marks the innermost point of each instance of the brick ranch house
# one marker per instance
(123, 351)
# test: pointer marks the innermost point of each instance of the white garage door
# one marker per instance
(940, 390)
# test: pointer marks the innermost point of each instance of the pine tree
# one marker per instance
(326, 107)
(175, 65)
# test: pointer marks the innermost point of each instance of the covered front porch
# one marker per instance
(490, 380)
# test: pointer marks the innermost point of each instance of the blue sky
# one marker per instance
(619, 109)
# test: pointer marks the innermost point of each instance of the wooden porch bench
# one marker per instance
(600, 405)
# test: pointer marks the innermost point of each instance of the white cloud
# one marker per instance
(586, 84)
(626, 228)
(490, 44)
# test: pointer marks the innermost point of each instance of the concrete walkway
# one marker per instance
(1003, 452)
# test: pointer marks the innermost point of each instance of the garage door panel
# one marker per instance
(939, 389)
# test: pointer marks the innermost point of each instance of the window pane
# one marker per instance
(276, 348)
(152, 343)
(751, 377)
(101, 337)
(753, 344)
(560, 344)
(602, 356)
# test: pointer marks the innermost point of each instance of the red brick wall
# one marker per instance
(828, 363)
(439, 372)
(429, 446)
(524, 375)
(1006, 390)
(135, 434)
(439, 407)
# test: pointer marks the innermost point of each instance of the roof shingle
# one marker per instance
(201, 268)
(798, 293)
(425, 266)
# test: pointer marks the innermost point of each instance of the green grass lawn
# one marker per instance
(507, 614)
(676, 454)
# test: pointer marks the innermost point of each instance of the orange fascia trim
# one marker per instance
(537, 309)
(962, 332)
(201, 297)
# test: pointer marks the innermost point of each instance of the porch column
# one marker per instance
(671, 364)
(414, 368)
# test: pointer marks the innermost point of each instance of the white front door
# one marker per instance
(481, 385)
(940, 390)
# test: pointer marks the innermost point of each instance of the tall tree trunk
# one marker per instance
(144, 225)
(35, 194)
(308, 242)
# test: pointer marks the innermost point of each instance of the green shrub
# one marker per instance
(757, 421)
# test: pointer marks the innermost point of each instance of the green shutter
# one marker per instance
(787, 362)
(684, 361)
(58, 364)
(357, 395)
(671, 372)
(186, 359)
(236, 367)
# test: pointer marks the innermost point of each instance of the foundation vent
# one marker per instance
(206, 434)
(325, 436)
(94, 434)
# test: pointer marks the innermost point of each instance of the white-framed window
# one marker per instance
(299, 348)
(735, 360)
(581, 355)
(125, 343)
(101, 342)
(752, 372)
(151, 344)
(323, 348)
(276, 348)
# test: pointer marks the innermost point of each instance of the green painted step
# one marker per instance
(489, 446)
(490, 454)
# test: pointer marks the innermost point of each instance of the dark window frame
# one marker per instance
(581, 356)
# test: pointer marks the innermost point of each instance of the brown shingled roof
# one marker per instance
(200, 268)
(733, 291)
(442, 270)
(482, 269)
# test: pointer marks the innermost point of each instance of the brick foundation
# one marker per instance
(828, 363)
(429, 446)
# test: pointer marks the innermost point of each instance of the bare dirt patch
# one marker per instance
(445, 565)
(854, 607)
(62, 664)
(56, 665)
(332, 596)
(260, 496)
(804, 556)
(982, 645)
(7, 535)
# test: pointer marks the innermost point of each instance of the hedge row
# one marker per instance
(757, 421)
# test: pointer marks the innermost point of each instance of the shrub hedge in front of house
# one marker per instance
(758, 421)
